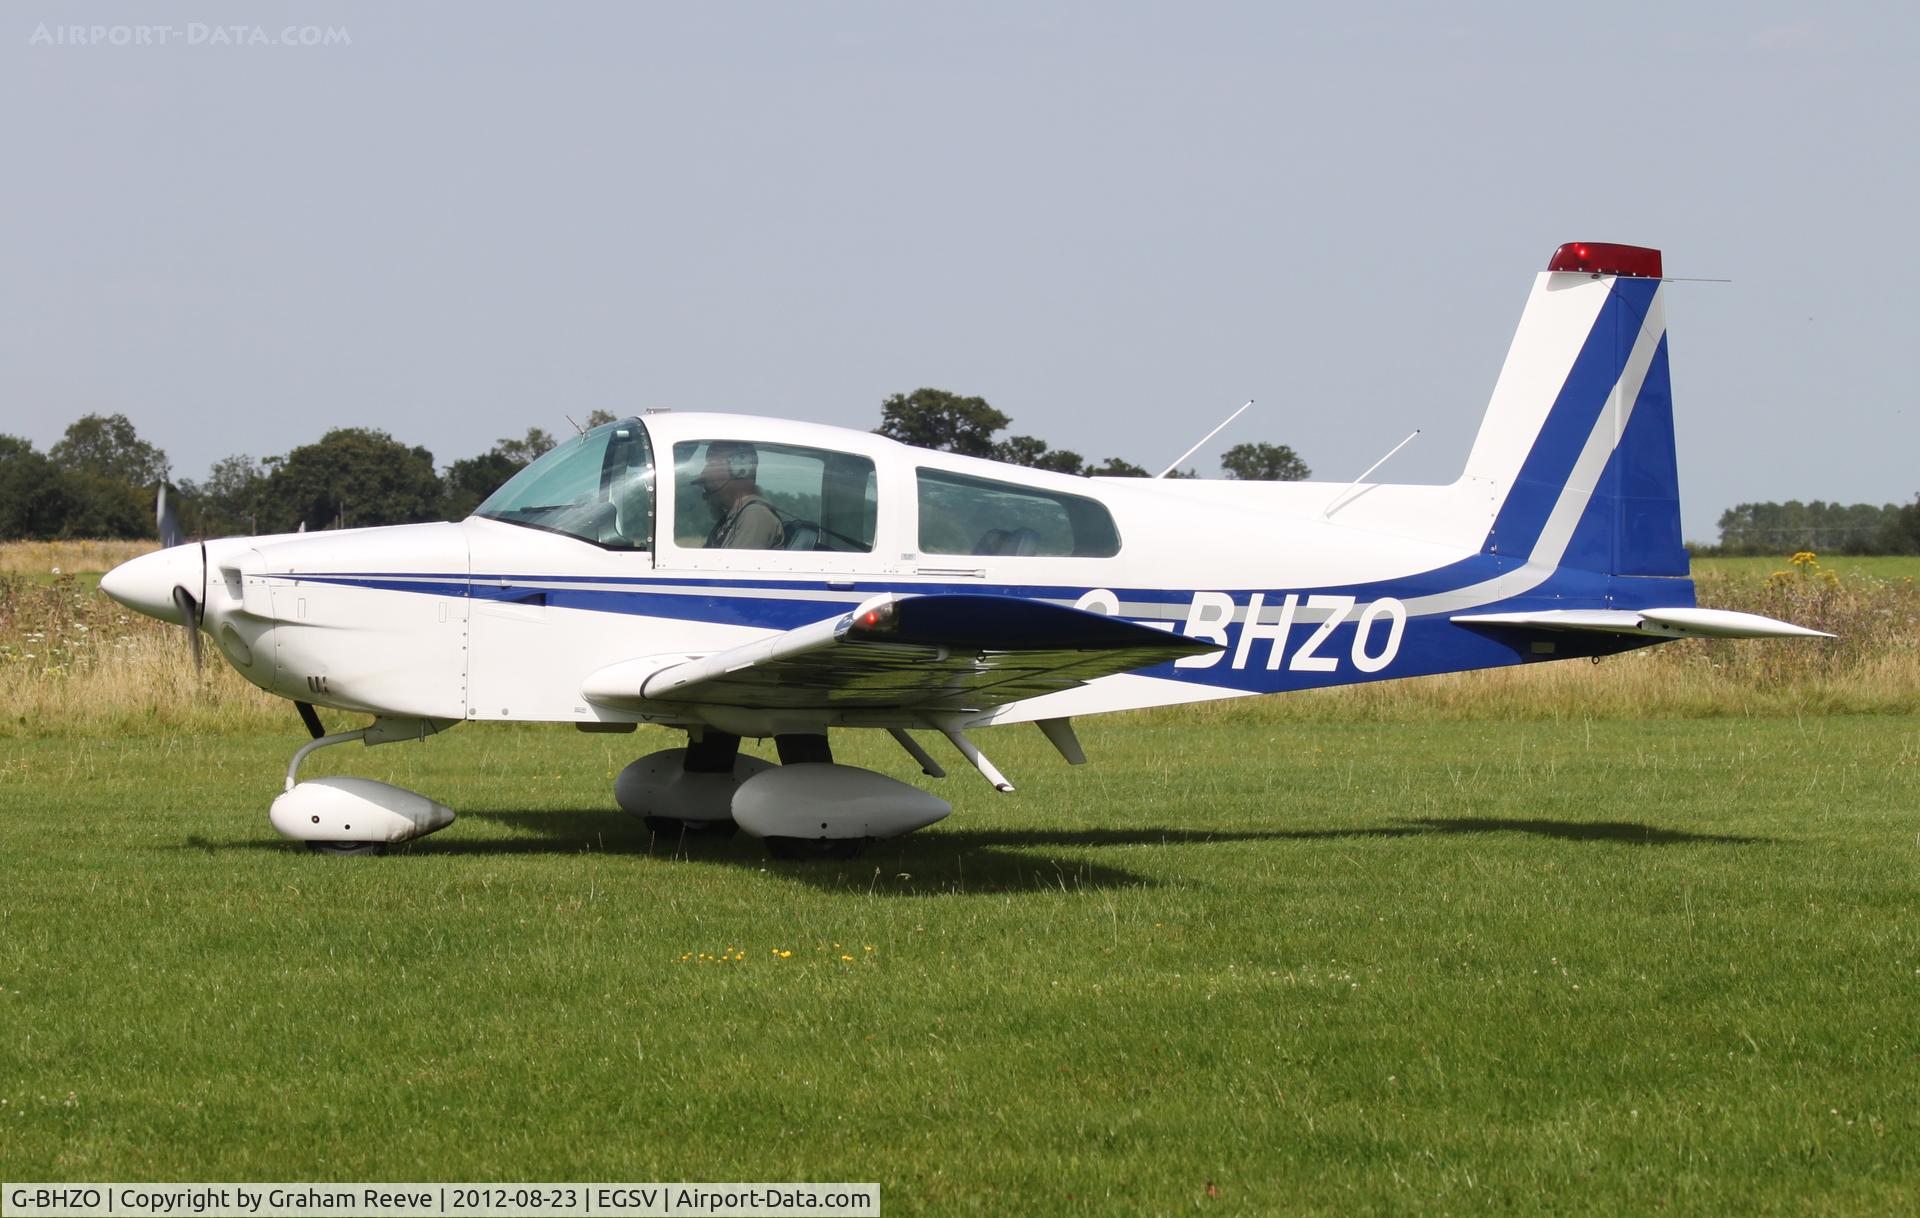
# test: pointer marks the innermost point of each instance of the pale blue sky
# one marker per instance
(1116, 222)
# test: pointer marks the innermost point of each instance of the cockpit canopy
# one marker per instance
(734, 490)
(597, 487)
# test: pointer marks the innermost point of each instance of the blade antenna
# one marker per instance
(1203, 439)
(1328, 510)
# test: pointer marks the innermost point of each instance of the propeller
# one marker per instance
(167, 517)
(193, 610)
(190, 613)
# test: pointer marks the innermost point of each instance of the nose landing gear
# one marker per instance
(343, 815)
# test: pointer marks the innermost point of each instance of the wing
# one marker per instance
(942, 652)
(1659, 623)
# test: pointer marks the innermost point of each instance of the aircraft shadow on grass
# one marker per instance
(978, 861)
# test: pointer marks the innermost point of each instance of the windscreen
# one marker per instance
(597, 487)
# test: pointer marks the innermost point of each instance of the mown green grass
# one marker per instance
(1465, 967)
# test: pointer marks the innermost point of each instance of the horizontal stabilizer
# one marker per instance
(1659, 623)
(935, 653)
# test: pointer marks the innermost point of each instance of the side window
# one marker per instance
(746, 495)
(963, 515)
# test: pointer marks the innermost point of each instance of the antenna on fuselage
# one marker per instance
(1203, 439)
(1328, 510)
(576, 426)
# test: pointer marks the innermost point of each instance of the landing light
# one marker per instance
(879, 620)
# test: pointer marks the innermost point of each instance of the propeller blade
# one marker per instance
(190, 616)
(167, 519)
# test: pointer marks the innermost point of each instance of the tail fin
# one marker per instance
(1577, 443)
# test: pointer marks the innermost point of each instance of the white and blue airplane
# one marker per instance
(734, 576)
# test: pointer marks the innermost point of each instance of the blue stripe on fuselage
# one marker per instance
(1431, 644)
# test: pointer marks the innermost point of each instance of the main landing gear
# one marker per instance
(807, 807)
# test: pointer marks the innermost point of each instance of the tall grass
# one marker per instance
(1872, 667)
(72, 660)
(68, 557)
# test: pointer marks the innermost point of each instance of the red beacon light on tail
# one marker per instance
(1601, 258)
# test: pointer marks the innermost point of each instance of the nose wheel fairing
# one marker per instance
(342, 814)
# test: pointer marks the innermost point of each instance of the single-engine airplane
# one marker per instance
(789, 580)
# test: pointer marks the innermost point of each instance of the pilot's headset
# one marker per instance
(742, 463)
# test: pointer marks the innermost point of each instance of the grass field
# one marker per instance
(1239, 967)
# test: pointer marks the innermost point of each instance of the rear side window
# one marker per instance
(963, 515)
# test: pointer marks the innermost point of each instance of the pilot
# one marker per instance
(743, 520)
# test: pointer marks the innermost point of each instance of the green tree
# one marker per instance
(1900, 531)
(527, 449)
(35, 495)
(1263, 462)
(472, 479)
(934, 418)
(1828, 528)
(107, 446)
(351, 478)
(231, 502)
(1118, 467)
(110, 475)
(1033, 452)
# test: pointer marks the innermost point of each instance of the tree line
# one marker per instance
(100, 478)
(934, 418)
(1825, 528)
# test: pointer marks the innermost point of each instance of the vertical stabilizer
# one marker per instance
(1577, 444)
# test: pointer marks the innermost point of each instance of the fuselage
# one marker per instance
(505, 615)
